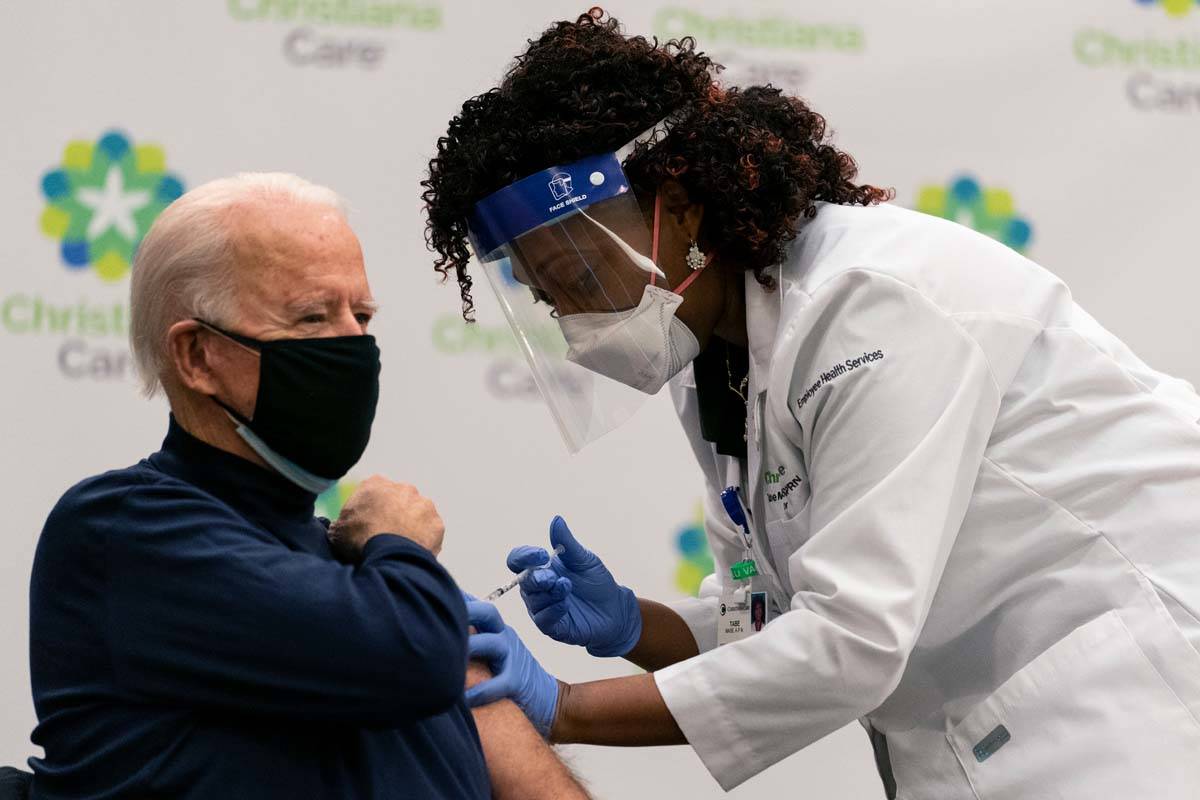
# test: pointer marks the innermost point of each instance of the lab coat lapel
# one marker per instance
(762, 329)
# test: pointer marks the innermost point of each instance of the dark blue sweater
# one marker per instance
(192, 636)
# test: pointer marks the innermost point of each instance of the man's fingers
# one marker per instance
(484, 616)
(526, 556)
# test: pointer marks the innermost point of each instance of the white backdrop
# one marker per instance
(1076, 123)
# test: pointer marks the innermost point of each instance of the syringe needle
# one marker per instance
(496, 593)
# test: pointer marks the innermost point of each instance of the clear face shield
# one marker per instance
(574, 264)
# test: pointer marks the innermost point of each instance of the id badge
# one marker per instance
(741, 613)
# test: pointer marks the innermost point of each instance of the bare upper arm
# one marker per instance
(520, 762)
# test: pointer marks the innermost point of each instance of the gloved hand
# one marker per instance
(516, 673)
(574, 599)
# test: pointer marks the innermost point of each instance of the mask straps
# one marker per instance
(696, 274)
(245, 343)
(637, 258)
(654, 250)
(253, 345)
(654, 238)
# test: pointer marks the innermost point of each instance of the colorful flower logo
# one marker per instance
(1176, 8)
(696, 562)
(330, 502)
(989, 211)
(103, 199)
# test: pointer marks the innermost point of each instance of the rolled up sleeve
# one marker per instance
(207, 611)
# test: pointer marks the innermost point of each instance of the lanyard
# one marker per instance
(746, 568)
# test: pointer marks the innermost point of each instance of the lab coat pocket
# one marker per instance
(1089, 717)
(782, 477)
(784, 486)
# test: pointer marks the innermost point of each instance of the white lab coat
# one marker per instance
(993, 520)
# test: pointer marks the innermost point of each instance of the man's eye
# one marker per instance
(363, 317)
(312, 319)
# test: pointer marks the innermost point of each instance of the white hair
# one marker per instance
(184, 266)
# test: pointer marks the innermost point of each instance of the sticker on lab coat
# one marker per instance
(740, 614)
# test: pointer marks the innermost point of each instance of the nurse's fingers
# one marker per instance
(549, 620)
(526, 556)
(557, 590)
(485, 617)
(488, 647)
(489, 691)
(538, 580)
(574, 556)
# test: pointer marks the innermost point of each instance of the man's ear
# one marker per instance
(675, 201)
(187, 348)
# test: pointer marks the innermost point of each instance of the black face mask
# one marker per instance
(316, 399)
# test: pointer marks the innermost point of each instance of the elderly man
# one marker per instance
(195, 631)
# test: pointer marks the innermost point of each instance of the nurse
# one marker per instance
(973, 512)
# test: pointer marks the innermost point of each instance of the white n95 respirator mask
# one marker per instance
(643, 347)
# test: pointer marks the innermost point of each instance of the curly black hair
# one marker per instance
(757, 159)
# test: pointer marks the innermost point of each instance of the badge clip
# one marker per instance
(744, 569)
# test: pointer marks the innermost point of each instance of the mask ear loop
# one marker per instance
(654, 250)
(637, 258)
(696, 274)
(238, 339)
(654, 239)
(233, 337)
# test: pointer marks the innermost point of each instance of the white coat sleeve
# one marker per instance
(893, 446)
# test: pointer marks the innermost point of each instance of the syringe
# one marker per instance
(558, 551)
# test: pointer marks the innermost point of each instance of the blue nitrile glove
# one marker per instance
(516, 673)
(574, 599)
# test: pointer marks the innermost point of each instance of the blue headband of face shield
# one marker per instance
(551, 194)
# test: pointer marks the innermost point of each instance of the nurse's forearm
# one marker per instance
(622, 712)
(666, 638)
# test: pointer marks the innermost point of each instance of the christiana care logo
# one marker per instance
(337, 34)
(764, 31)
(987, 210)
(1176, 8)
(99, 203)
(1156, 58)
(506, 375)
(761, 47)
(103, 198)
